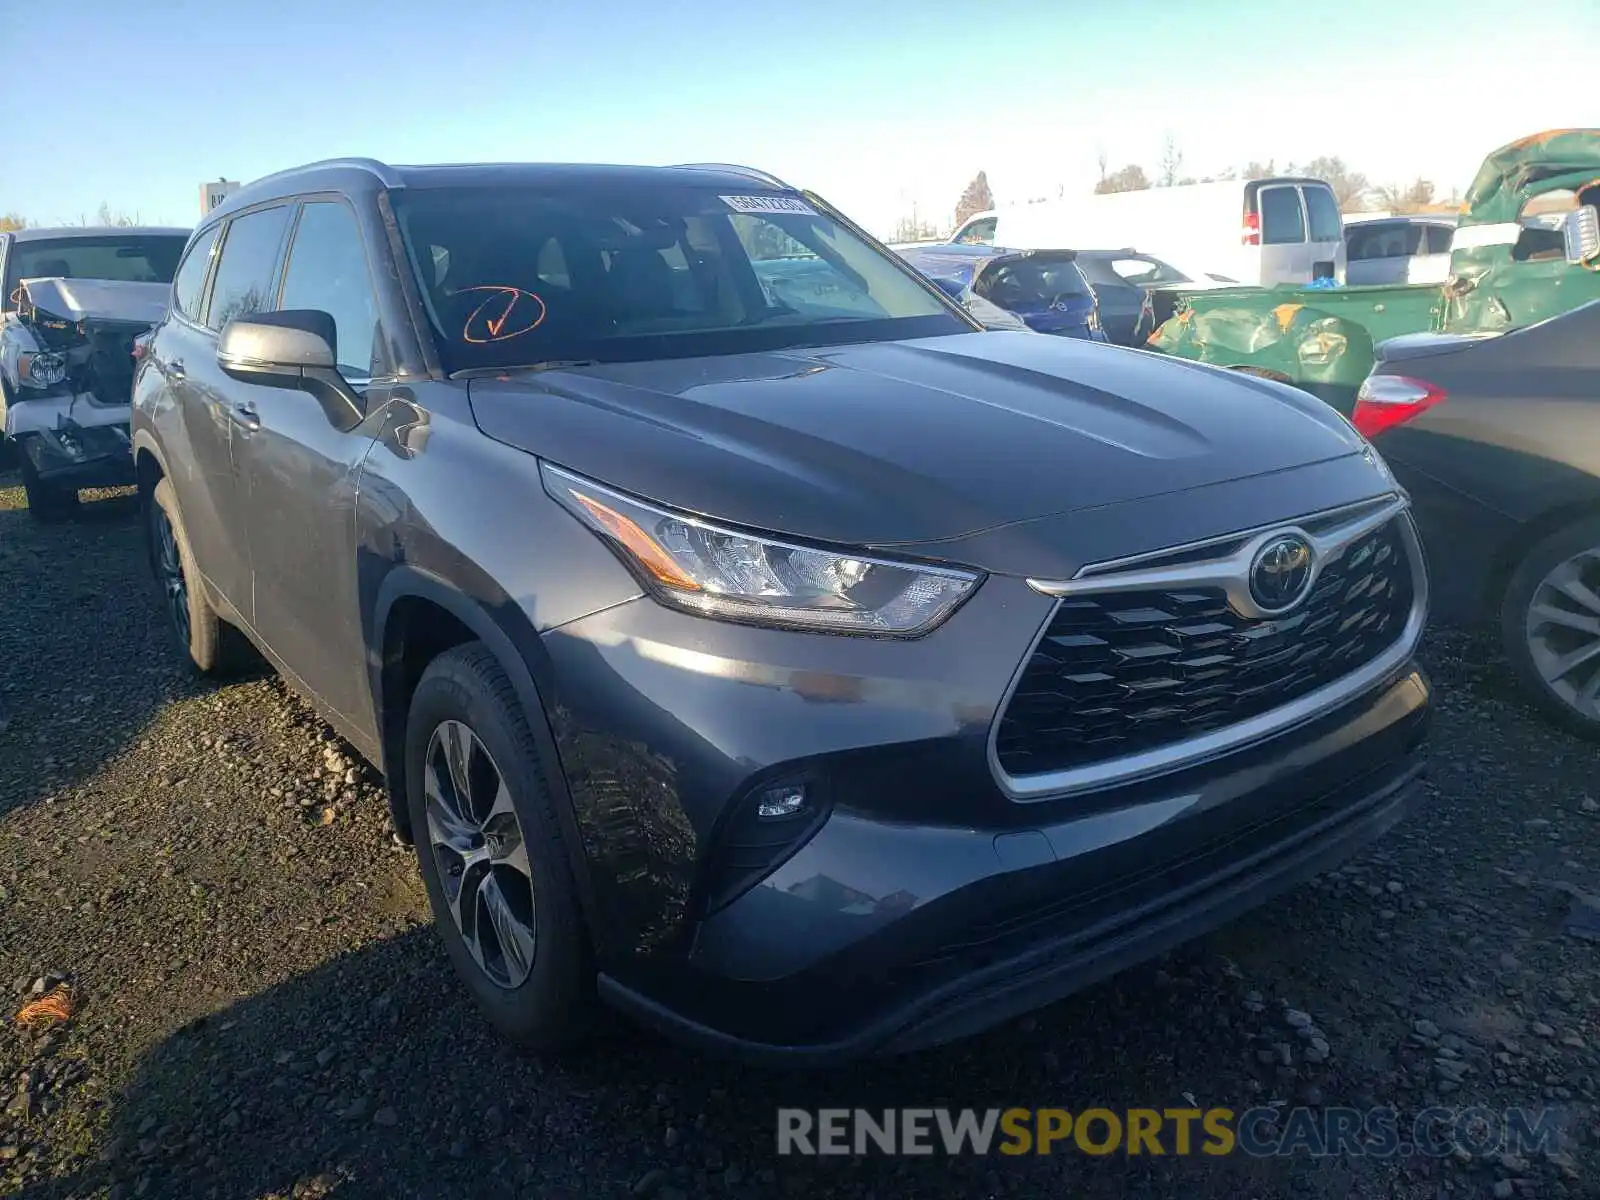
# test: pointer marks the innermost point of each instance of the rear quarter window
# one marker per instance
(191, 278)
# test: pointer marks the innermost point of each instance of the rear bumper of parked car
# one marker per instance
(917, 903)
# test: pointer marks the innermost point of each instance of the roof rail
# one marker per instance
(382, 171)
(736, 169)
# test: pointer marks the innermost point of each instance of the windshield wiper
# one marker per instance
(549, 364)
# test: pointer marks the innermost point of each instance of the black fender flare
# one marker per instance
(406, 581)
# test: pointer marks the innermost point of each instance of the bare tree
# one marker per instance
(1130, 178)
(1104, 161)
(1350, 187)
(1171, 161)
(1406, 198)
(1256, 170)
(976, 199)
(106, 217)
(11, 221)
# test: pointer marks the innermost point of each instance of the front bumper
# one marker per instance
(1103, 893)
(924, 904)
(73, 439)
(94, 457)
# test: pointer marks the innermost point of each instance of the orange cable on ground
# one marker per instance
(54, 1008)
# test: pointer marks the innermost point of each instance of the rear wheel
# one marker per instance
(46, 501)
(1550, 624)
(213, 646)
(492, 855)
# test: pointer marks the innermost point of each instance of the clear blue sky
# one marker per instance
(881, 105)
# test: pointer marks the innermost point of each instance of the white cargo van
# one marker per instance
(1259, 231)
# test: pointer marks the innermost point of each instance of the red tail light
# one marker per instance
(1250, 235)
(1385, 401)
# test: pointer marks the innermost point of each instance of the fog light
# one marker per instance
(779, 802)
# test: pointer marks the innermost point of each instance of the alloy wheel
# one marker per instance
(479, 853)
(169, 568)
(1563, 631)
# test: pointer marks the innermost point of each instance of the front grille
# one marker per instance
(1121, 673)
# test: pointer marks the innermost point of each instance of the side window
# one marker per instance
(978, 233)
(248, 266)
(191, 277)
(1282, 221)
(1326, 223)
(1541, 238)
(1361, 244)
(328, 271)
(1439, 237)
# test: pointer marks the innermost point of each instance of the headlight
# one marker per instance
(41, 370)
(714, 572)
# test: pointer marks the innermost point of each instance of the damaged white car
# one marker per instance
(74, 301)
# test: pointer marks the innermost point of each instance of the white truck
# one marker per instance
(74, 301)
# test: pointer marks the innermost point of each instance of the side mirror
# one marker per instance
(950, 287)
(1580, 235)
(292, 349)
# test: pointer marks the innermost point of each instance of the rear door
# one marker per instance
(1285, 254)
(209, 496)
(1376, 253)
(300, 472)
(1124, 305)
(1324, 232)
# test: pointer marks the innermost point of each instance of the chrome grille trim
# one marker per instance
(1330, 532)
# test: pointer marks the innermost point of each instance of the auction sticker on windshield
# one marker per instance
(768, 204)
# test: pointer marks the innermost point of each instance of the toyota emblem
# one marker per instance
(1280, 576)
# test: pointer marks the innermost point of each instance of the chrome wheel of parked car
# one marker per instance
(480, 853)
(1563, 631)
(169, 571)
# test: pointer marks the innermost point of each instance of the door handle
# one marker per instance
(244, 416)
(175, 369)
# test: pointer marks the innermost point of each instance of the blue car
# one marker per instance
(1044, 288)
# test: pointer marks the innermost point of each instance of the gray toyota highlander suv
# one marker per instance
(747, 640)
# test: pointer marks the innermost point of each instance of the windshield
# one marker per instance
(1137, 269)
(1034, 281)
(515, 276)
(125, 258)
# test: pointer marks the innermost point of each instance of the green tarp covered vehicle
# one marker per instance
(1526, 248)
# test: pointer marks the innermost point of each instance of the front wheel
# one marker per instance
(492, 854)
(1550, 625)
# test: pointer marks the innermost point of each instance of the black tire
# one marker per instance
(212, 646)
(554, 1006)
(1521, 590)
(46, 502)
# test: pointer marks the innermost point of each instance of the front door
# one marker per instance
(300, 474)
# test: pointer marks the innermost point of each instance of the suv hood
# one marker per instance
(891, 443)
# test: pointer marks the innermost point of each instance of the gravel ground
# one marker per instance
(266, 1011)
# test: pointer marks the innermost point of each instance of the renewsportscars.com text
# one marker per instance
(1262, 1132)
